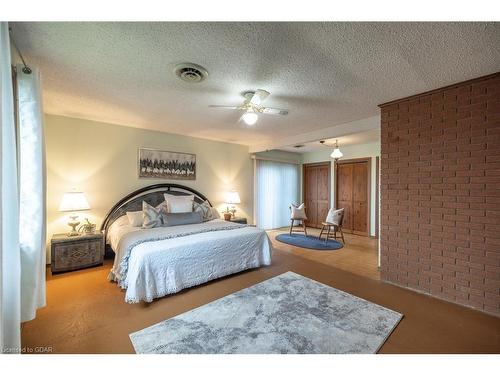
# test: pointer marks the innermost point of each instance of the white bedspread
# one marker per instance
(155, 268)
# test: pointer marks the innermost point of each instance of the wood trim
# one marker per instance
(319, 164)
(368, 160)
(377, 195)
(441, 89)
(357, 160)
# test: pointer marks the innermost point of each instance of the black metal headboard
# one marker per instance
(153, 195)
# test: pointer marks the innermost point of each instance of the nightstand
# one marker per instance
(74, 253)
(239, 220)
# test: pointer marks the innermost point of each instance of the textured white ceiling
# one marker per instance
(324, 73)
(368, 136)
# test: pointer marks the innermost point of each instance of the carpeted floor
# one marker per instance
(87, 314)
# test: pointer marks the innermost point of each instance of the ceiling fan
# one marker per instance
(252, 106)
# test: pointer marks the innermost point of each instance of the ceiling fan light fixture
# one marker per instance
(250, 117)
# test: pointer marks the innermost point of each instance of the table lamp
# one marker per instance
(232, 197)
(71, 202)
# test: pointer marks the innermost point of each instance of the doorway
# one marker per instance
(353, 181)
(316, 192)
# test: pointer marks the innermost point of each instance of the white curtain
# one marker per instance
(10, 286)
(277, 185)
(22, 208)
(31, 192)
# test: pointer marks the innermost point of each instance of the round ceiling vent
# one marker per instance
(191, 73)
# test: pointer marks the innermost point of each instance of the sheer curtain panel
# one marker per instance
(277, 185)
(31, 192)
(10, 286)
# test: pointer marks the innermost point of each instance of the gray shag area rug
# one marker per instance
(286, 314)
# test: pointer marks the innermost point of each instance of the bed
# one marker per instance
(152, 263)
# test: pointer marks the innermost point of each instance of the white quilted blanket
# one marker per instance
(152, 263)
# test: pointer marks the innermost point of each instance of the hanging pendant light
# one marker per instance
(336, 154)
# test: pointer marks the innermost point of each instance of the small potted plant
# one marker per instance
(88, 227)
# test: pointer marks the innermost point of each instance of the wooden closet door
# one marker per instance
(316, 193)
(311, 193)
(345, 193)
(353, 195)
(360, 198)
(323, 198)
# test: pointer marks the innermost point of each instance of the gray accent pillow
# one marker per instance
(151, 216)
(205, 209)
(182, 218)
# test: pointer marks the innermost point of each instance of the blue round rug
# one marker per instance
(308, 242)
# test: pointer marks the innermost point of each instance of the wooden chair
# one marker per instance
(298, 213)
(333, 220)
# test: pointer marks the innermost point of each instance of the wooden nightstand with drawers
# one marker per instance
(239, 220)
(74, 253)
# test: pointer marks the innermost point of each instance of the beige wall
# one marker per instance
(101, 160)
(351, 152)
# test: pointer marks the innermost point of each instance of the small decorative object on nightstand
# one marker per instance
(71, 202)
(232, 197)
(239, 220)
(76, 252)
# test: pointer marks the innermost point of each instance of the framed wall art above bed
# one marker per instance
(166, 164)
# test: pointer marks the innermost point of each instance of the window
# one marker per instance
(276, 187)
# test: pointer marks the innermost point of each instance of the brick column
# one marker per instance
(440, 193)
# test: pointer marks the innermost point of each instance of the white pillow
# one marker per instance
(121, 221)
(135, 218)
(179, 203)
(298, 212)
(335, 216)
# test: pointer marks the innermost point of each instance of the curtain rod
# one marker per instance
(256, 157)
(26, 68)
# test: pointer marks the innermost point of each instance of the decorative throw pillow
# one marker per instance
(179, 203)
(298, 212)
(135, 218)
(215, 213)
(205, 209)
(335, 216)
(151, 216)
(170, 220)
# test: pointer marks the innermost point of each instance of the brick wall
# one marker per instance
(440, 193)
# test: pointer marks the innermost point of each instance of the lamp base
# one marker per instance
(73, 224)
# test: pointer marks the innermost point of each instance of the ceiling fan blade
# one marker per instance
(275, 111)
(224, 106)
(259, 97)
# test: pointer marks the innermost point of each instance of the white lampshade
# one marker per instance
(336, 154)
(250, 117)
(232, 197)
(74, 201)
